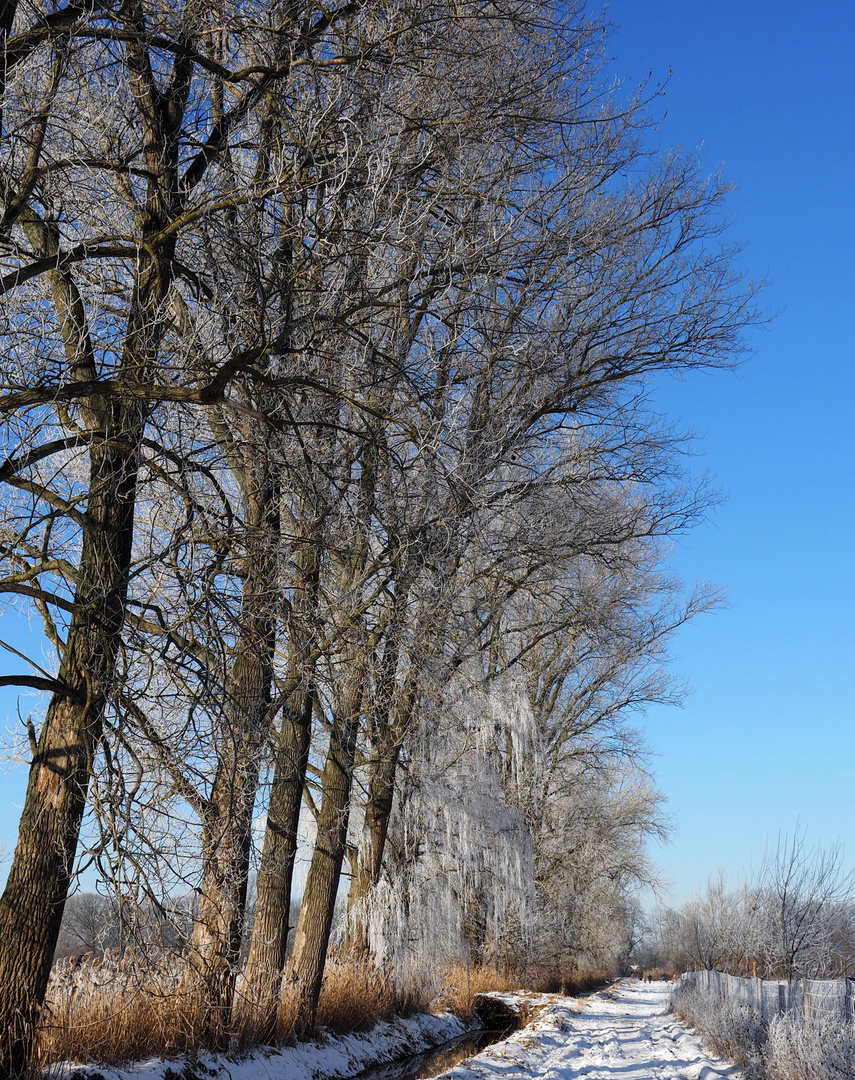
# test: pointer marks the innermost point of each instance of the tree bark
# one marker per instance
(258, 1003)
(259, 1000)
(314, 925)
(228, 813)
(32, 904)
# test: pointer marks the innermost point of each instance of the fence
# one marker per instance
(814, 998)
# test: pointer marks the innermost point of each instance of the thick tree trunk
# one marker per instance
(259, 1000)
(314, 925)
(215, 945)
(33, 901)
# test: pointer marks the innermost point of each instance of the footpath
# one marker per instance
(623, 1033)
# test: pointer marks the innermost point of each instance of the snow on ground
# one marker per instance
(327, 1059)
(623, 1033)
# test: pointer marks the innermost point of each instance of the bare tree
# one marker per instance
(119, 125)
(355, 291)
(800, 892)
(89, 925)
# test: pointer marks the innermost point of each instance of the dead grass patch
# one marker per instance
(354, 996)
(108, 1010)
(459, 993)
(659, 974)
(121, 1009)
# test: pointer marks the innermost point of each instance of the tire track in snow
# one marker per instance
(624, 1033)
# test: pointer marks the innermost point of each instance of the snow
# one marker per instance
(331, 1058)
(624, 1033)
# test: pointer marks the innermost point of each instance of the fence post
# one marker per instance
(782, 999)
(806, 994)
(847, 999)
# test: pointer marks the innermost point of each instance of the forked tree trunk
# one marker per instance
(306, 968)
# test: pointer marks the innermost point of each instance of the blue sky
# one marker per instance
(767, 738)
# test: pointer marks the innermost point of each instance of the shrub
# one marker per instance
(728, 1028)
(821, 1049)
(787, 1048)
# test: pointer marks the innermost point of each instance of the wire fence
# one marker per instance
(812, 998)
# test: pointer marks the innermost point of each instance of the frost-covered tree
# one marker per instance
(792, 919)
(458, 878)
(802, 897)
(325, 329)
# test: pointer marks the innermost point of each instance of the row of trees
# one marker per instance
(330, 471)
(794, 918)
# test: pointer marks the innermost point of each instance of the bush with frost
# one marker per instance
(819, 1049)
(787, 1048)
(728, 1028)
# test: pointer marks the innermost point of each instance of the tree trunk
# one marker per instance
(259, 1000)
(215, 945)
(228, 814)
(388, 723)
(316, 912)
(32, 904)
(257, 1006)
(369, 858)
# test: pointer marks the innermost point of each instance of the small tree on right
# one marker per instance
(801, 892)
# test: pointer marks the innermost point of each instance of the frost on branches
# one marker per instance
(494, 858)
(459, 879)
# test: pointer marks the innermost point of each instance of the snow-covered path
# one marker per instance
(624, 1033)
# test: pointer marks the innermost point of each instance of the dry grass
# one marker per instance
(354, 996)
(568, 981)
(110, 1011)
(459, 995)
(660, 974)
(117, 1010)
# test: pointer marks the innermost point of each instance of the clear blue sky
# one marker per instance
(767, 737)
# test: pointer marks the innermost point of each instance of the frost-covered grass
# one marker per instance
(727, 1028)
(787, 1048)
(823, 1049)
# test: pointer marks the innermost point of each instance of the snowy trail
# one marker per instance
(625, 1033)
